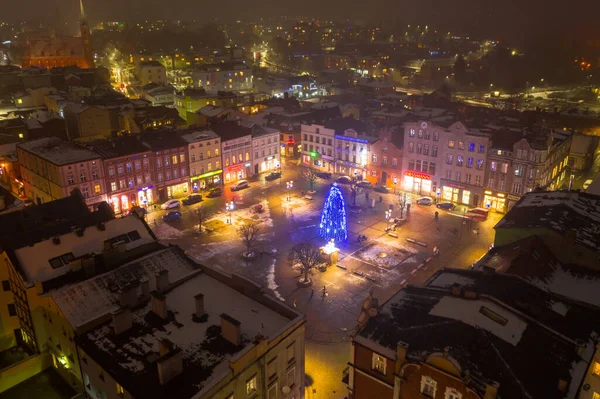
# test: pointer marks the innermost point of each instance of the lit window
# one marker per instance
(97, 189)
(120, 390)
(596, 370)
(20, 101)
(21, 135)
(452, 393)
(174, 159)
(450, 143)
(596, 395)
(428, 386)
(251, 385)
(378, 363)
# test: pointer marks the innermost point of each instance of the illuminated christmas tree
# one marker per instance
(333, 217)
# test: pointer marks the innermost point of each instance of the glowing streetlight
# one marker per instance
(229, 207)
(289, 185)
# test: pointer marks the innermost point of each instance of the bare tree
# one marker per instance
(355, 191)
(402, 202)
(248, 232)
(202, 213)
(310, 176)
(308, 255)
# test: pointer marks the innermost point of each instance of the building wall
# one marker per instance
(94, 123)
(235, 168)
(410, 386)
(318, 147)
(8, 323)
(352, 153)
(265, 154)
(224, 80)
(205, 159)
(592, 378)
(131, 177)
(172, 169)
(152, 74)
(369, 383)
(385, 164)
(417, 178)
(97, 382)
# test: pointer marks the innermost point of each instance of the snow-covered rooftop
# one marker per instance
(93, 298)
(57, 151)
(48, 259)
(560, 211)
(206, 354)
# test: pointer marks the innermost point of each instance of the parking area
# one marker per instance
(45, 385)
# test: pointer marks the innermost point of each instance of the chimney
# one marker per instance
(128, 297)
(159, 304)
(231, 329)
(145, 283)
(199, 299)
(162, 280)
(456, 290)
(170, 362)
(401, 351)
(121, 320)
(491, 390)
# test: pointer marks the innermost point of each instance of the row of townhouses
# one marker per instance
(489, 167)
(147, 168)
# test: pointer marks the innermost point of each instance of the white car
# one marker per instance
(424, 201)
(171, 204)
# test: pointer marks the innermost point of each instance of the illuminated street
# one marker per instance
(382, 263)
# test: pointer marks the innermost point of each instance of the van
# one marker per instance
(586, 184)
(478, 214)
(239, 185)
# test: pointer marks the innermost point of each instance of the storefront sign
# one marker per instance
(512, 197)
(314, 154)
(339, 137)
(269, 158)
(232, 147)
(455, 185)
(347, 163)
(418, 175)
(208, 174)
(234, 168)
(93, 200)
(146, 188)
(291, 142)
(488, 192)
(248, 164)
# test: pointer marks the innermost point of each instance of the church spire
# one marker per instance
(81, 11)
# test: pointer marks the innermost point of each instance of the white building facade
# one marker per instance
(318, 147)
(352, 153)
(265, 149)
(224, 77)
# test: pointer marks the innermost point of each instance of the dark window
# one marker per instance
(68, 258)
(56, 262)
(12, 309)
(6, 285)
(134, 235)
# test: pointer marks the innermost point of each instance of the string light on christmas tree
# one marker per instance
(333, 224)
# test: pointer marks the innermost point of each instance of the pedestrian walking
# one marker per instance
(367, 195)
(380, 199)
(324, 291)
(312, 292)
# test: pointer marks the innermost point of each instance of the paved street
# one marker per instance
(382, 263)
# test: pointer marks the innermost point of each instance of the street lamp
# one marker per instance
(388, 215)
(289, 185)
(229, 207)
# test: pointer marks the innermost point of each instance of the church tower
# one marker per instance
(86, 36)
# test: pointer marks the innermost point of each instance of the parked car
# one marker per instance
(192, 199)
(448, 206)
(239, 185)
(365, 184)
(344, 180)
(141, 212)
(381, 189)
(323, 175)
(273, 176)
(172, 216)
(171, 204)
(214, 192)
(424, 201)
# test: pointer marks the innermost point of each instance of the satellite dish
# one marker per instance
(285, 389)
(372, 312)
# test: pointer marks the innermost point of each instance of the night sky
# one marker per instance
(499, 19)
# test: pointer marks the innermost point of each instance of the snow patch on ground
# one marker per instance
(164, 231)
(239, 215)
(271, 281)
(300, 209)
(373, 255)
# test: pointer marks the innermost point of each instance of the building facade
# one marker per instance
(151, 72)
(52, 168)
(236, 149)
(445, 163)
(234, 76)
(384, 166)
(129, 172)
(170, 157)
(206, 166)
(265, 146)
(318, 147)
(519, 165)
